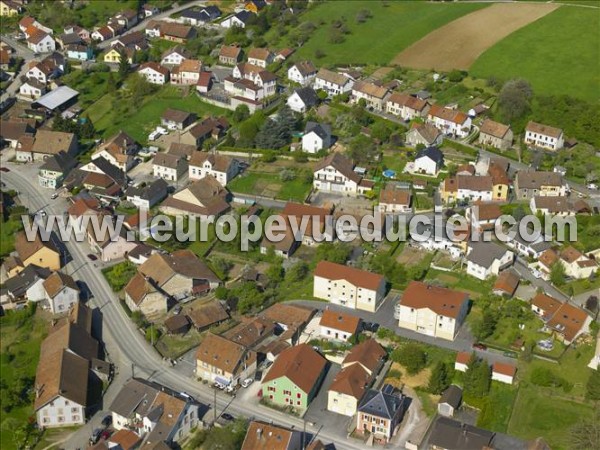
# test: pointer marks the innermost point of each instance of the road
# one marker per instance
(23, 52)
(384, 316)
(126, 347)
(142, 25)
(523, 270)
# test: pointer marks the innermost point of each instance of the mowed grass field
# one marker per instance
(557, 54)
(380, 38)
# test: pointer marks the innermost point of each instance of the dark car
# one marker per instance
(95, 437)
(4, 169)
(105, 434)
(371, 326)
(107, 421)
(92, 257)
(480, 346)
(228, 417)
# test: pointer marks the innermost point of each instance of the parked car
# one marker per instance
(228, 417)
(105, 434)
(480, 346)
(53, 196)
(247, 382)
(229, 389)
(177, 309)
(4, 169)
(95, 437)
(92, 257)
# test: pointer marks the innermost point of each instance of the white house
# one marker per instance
(237, 20)
(187, 73)
(61, 292)
(432, 310)
(174, 56)
(461, 364)
(429, 161)
(347, 286)
(333, 83)
(169, 167)
(221, 167)
(372, 94)
(544, 136)
(32, 89)
(449, 121)
(338, 326)
(425, 134)
(486, 259)
(467, 188)
(148, 196)
(260, 57)
(336, 174)
(394, 199)
(316, 137)
(302, 72)
(302, 99)
(41, 42)
(503, 372)
(154, 72)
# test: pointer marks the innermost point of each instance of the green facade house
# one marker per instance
(295, 377)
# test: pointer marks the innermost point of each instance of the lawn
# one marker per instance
(7, 235)
(91, 86)
(20, 338)
(536, 414)
(461, 281)
(140, 122)
(119, 275)
(497, 407)
(392, 27)
(270, 185)
(545, 58)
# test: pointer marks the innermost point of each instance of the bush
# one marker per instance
(412, 357)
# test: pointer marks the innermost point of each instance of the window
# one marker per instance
(287, 392)
(298, 395)
(298, 403)
(74, 410)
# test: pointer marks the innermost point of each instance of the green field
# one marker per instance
(270, 185)
(558, 54)
(391, 29)
(139, 123)
(536, 414)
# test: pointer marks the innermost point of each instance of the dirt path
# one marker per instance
(458, 44)
(415, 422)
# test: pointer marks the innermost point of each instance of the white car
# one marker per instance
(229, 388)
(247, 382)
(53, 196)
(536, 273)
(153, 135)
(592, 186)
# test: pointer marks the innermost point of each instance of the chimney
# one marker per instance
(259, 432)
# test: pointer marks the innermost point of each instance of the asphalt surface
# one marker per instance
(126, 347)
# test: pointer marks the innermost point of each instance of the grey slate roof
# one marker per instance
(454, 435)
(432, 153)
(117, 175)
(307, 95)
(484, 253)
(61, 162)
(322, 130)
(452, 396)
(158, 188)
(19, 284)
(383, 403)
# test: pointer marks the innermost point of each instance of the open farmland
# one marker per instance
(459, 43)
(557, 54)
(376, 41)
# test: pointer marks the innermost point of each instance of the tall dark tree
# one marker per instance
(439, 380)
(592, 388)
(124, 65)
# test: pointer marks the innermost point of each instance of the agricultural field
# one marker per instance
(546, 58)
(392, 27)
(458, 44)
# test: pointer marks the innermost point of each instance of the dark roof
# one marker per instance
(452, 396)
(61, 162)
(322, 130)
(384, 403)
(453, 435)
(156, 188)
(19, 284)
(112, 171)
(307, 95)
(176, 115)
(244, 16)
(484, 253)
(432, 153)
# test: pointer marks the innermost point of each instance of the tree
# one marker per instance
(477, 377)
(557, 274)
(592, 388)
(591, 304)
(455, 76)
(87, 129)
(519, 213)
(585, 434)
(362, 149)
(297, 272)
(514, 99)
(275, 273)
(338, 252)
(241, 113)
(221, 293)
(439, 380)
(411, 356)
(287, 175)
(124, 65)
(487, 325)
